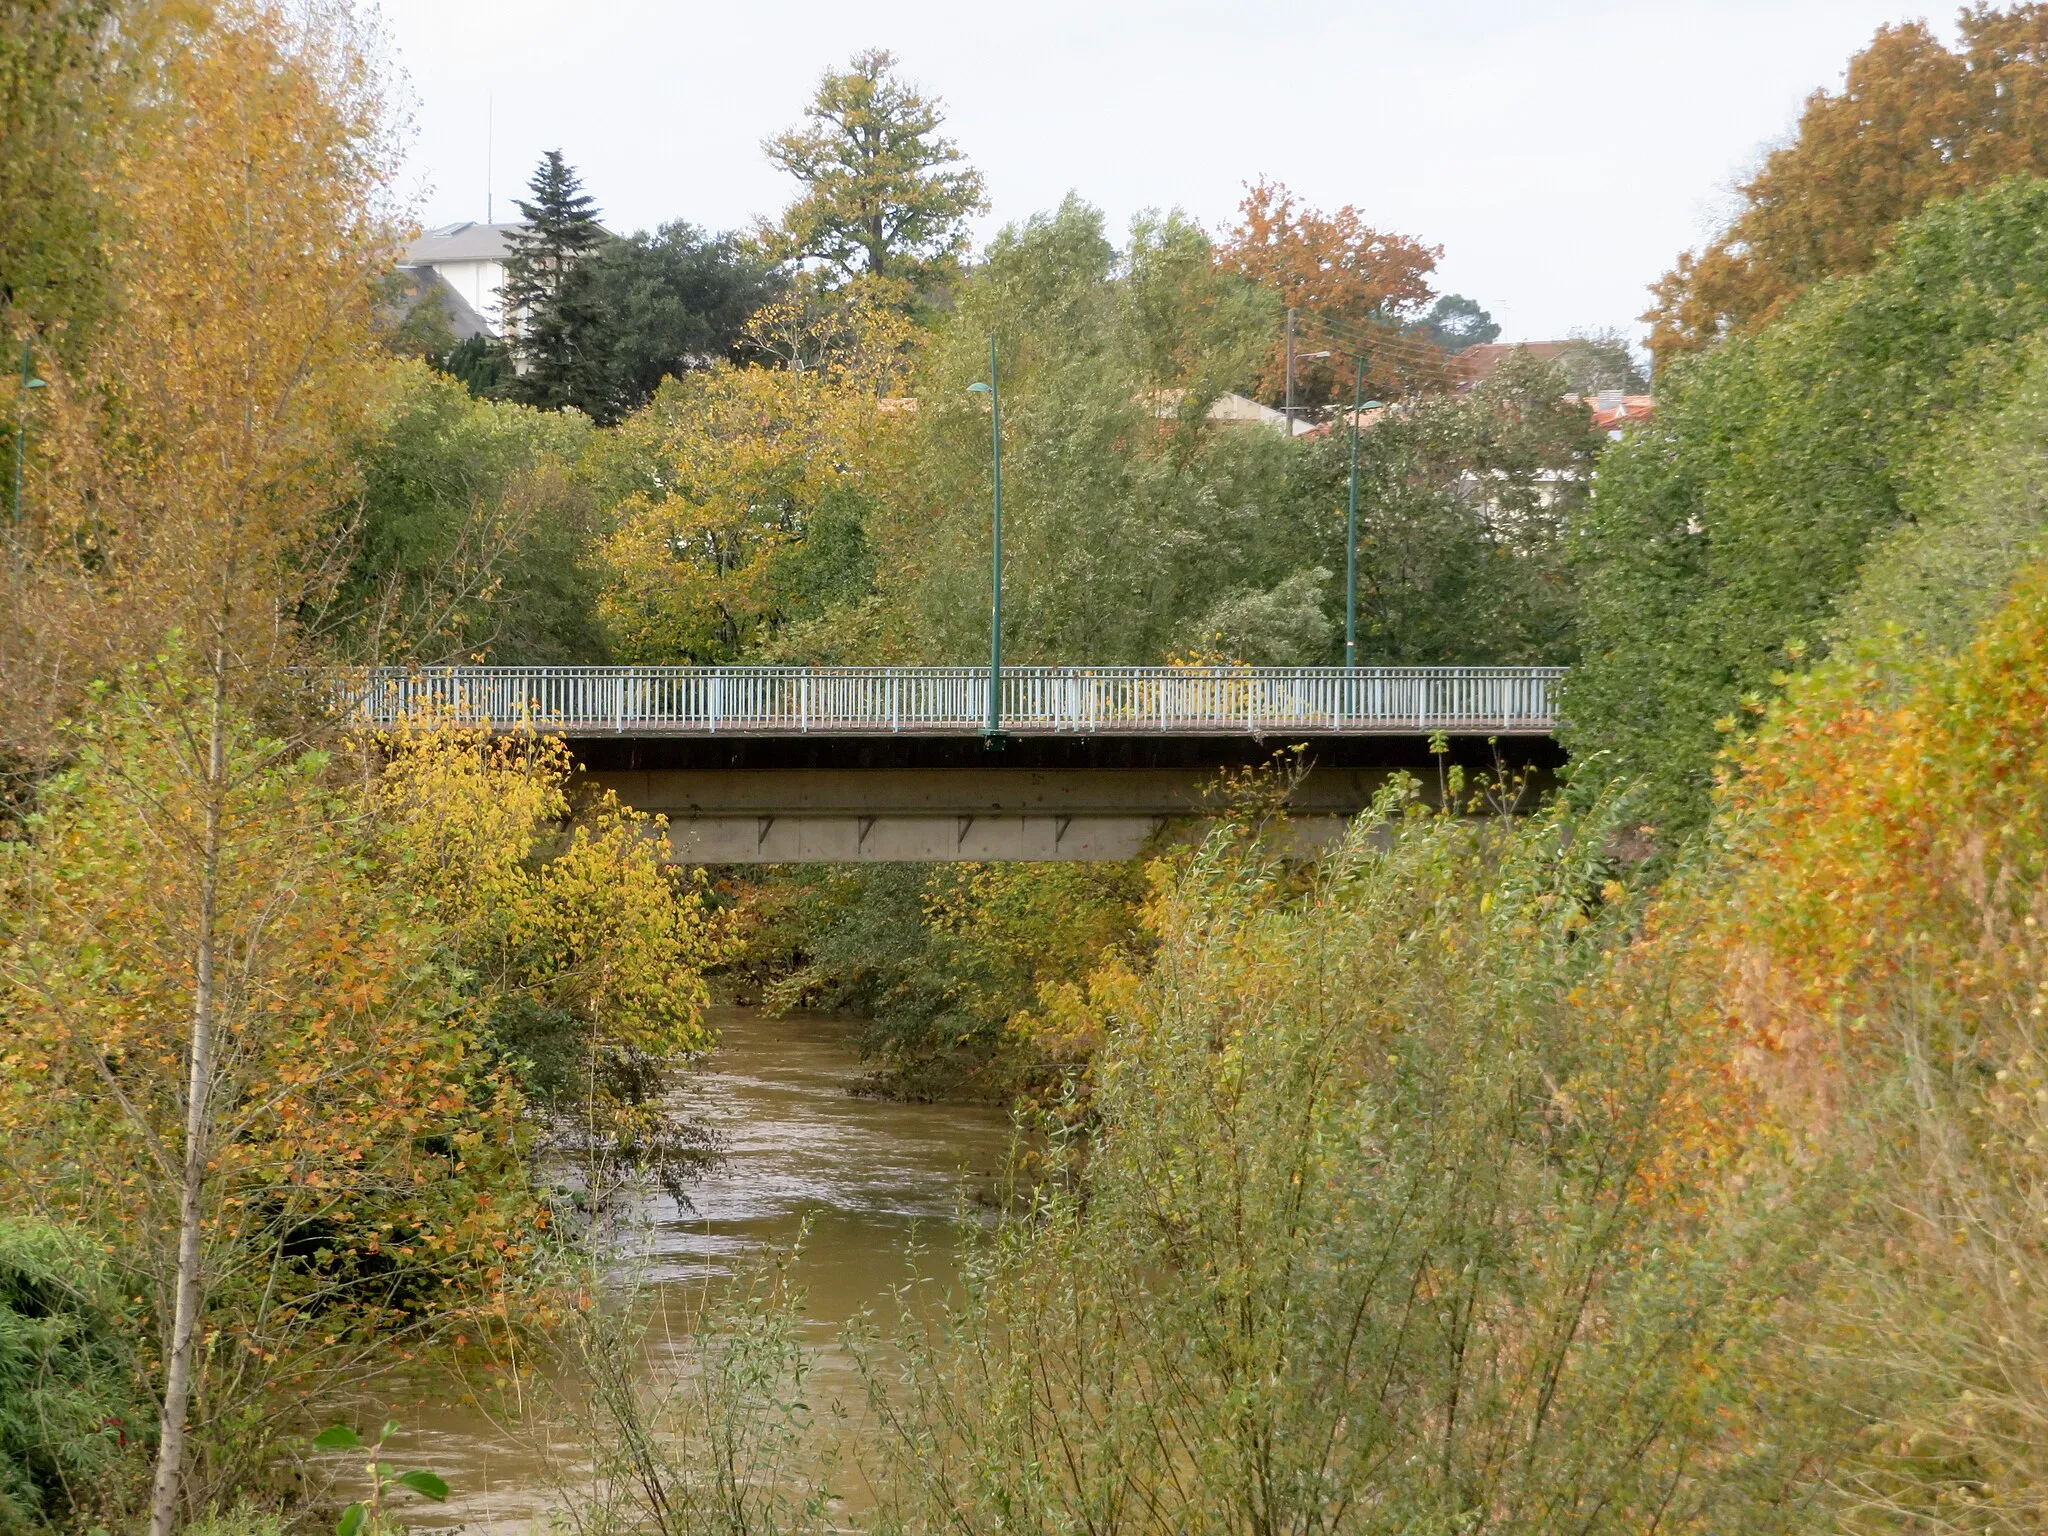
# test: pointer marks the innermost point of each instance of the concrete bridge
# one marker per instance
(858, 764)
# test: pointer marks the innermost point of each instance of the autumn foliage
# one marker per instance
(1914, 122)
(366, 1176)
(1352, 283)
(181, 467)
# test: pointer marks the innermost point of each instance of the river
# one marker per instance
(797, 1148)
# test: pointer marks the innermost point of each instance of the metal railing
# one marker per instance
(690, 701)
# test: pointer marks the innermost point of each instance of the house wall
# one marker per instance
(481, 284)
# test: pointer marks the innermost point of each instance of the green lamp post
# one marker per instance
(28, 382)
(992, 733)
(1359, 405)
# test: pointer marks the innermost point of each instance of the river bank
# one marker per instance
(857, 1178)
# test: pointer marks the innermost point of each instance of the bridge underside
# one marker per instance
(899, 799)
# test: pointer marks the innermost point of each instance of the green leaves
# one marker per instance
(424, 1483)
(1778, 462)
(367, 1514)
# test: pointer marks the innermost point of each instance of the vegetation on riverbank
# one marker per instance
(1668, 1157)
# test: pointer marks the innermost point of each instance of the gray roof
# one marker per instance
(469, 241)
(423, 285)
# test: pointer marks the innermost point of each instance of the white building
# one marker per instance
(469, 259)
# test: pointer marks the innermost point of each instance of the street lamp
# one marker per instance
(1359, 405)
(28, 382)
(992, 733)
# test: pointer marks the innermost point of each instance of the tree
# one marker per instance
(177, 491)
(482, 364)
(671, 301)
(63, 68)
(1455, 323)
(1357, 290)
(1914, 122)
(1135, 528)
(551, 311)
(1598, 360)
(468, 533)
(240, 1059)
(1364, 1220)
(750, 463)
(1720, 541)
(884, 194)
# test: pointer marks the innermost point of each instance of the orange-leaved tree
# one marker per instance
(176, 493)
(1877, 942)
(1914, 121)
(359, 1177)
(1353, 287)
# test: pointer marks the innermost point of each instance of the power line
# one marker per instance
(1357, 337)
(1407, 353)
(1361, 337)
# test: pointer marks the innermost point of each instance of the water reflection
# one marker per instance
(864, 1173)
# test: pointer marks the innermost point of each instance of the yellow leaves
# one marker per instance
(187, 457)
(743, 458)
(342, 1032)
(603, 930)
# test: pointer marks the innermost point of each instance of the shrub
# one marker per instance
(70, 1411)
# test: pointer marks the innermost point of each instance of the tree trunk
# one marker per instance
(167, 1492)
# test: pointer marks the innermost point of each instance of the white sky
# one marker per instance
(1562, 153)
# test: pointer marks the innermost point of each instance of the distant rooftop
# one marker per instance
(467, 241)
(1477, 363)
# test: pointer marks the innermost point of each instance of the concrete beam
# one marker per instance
(930, 799)
(812, 839)
(1127, 792)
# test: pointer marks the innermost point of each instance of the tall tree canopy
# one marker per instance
(1913, 122)
(1730, 533)
(59, 62)
(551, 311)
(1455, 322)
(673, 300)
(885, 195)
(1357, 286)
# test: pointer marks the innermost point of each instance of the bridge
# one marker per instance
(860, 764)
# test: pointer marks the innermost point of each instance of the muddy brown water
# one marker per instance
(860, 1177)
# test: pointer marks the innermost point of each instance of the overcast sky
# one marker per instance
(1560, 151)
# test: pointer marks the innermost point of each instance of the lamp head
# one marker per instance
(978, 388)
(36, 384)
(1373, 405)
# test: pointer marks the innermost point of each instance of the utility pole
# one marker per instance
(1290, 370)
(992, 733)
(1358, 406)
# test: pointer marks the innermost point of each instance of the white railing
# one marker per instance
(689, 701)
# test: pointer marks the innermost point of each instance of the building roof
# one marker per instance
(423, 285)
(468, 241)
(1230, 410)
(1476, 363)
(1612, 410)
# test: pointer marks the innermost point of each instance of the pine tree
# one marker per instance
(551, 313)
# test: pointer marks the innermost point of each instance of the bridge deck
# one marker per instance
(953, 701)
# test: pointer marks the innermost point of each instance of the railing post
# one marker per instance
(1121, 700)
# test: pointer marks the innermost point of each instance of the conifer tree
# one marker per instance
(551, 312)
